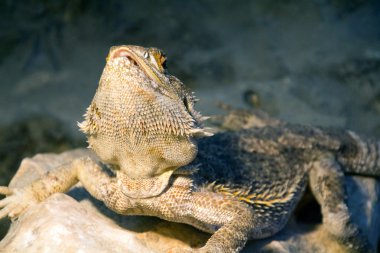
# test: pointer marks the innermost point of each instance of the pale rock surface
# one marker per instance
(82, 224)
(63, 225)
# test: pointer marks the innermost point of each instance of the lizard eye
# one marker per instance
(146, 55)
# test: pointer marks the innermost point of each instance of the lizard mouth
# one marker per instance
(136, 61)
(131, 60)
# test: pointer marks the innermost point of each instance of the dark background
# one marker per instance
(311, 61)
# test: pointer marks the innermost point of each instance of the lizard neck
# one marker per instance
(143, 187)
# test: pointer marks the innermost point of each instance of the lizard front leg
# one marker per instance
(61, 179)
(236, 221)
(230, 220)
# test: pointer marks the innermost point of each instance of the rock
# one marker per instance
(76, 222)
(27, 136)
(61, 224)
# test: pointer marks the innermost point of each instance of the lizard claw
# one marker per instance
(15, 202)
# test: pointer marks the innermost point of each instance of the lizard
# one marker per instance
(158, 159)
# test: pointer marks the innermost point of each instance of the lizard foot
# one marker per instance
(15, 202)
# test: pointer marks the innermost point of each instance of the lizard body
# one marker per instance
(162, 162)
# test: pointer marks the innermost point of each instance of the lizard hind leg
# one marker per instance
(327, 185)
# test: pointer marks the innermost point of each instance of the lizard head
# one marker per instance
(142, 119)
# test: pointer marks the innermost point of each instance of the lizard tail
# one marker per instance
(365, 160)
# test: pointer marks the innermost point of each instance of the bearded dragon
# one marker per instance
(158, 159)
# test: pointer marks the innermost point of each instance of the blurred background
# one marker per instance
(304, 61)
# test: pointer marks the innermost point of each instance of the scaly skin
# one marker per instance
(236, 185)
